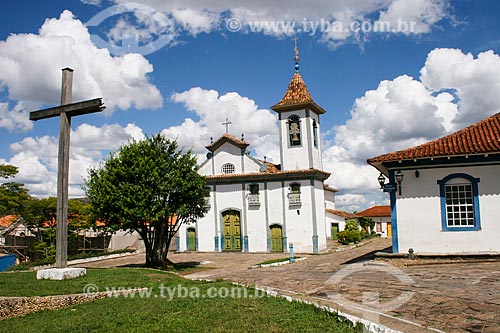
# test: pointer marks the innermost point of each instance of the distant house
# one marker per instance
(447, 199)
(335, 220)
(381, 215)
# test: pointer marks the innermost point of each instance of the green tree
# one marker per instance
(351, 225)
(13, 195)
(366, 223)
(151, 187)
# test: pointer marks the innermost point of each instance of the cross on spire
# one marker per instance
(296, 58)
(227, 123)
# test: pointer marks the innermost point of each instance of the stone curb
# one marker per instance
(11, 307)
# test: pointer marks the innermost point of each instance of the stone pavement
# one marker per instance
(424, 297)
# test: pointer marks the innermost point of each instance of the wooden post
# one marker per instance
(63, 171)
(65, 112)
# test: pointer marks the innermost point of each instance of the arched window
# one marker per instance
(459, 202)
(228, 168)
(315, 133)
(294, 134)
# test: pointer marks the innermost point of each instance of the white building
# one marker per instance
(448, 198)
(381, 215)
(257, 206)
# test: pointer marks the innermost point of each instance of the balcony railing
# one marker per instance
(253, 200)
(294, 198)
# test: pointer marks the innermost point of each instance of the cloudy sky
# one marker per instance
(390, 73)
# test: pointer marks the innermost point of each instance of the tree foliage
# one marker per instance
(366, 223)
(13, 195)
(149, 186)
(351, 225)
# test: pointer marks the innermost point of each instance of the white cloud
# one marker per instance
(421, 14)
(65, 42)
(474, 81)
(16, 119)
(259, 126)
(454, 91)
(36, 158)
(194, 16)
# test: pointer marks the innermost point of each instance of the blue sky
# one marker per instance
(382, 91)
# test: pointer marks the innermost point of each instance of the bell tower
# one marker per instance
(300, 142)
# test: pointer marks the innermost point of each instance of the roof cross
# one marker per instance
(227, 123)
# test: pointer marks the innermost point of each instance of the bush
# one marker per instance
(349, 236)
(351, 225)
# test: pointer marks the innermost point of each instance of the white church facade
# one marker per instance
(257, 206)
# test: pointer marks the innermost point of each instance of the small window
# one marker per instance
(228, 168)
(206, 194)
(315, 133)
(294, 131)
(254, 189)
(459, 203)
(253, 196)
(294, 195)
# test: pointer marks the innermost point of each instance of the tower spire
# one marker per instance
(296, 58)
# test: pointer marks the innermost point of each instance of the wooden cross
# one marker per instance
(227, 123)
(65, 112)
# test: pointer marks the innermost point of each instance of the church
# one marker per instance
(257, 206)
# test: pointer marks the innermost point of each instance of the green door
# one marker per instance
(191, 239)
(335, 230)
(232, 230)
(276, 238)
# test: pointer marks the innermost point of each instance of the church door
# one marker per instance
(276, 238)
(232, 230)
(191, 239)
(335, 230)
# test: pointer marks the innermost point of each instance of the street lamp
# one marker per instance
(381, 180)
(399, 179)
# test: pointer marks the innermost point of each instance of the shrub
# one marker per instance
(351, 225)
(349, 236)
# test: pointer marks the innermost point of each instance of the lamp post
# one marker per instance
(381, 180)
(399, 179)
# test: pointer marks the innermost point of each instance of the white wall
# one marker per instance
(297, 157)
(419, 213)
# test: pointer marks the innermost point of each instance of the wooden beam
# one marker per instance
(73, 109)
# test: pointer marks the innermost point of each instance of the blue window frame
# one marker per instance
(459, 203)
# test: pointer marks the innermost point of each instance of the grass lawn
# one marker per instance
(160, 314)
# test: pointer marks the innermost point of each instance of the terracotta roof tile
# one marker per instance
(7, 220)
(341, 213)
(271, 167)
(297, 92)
(480, 138)
(329, 188)
(225, 138)
(376, 211)
(270, 171)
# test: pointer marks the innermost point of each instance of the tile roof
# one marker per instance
(376, 211)
(329, 188)
(341, 213)
(271, 167)
(271, 173)
(480, 138)
(297, 94)
(227, 138)
(7, 220)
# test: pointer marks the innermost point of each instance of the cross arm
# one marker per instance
(73, 109)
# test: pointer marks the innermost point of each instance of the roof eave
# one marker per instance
(297, 106)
